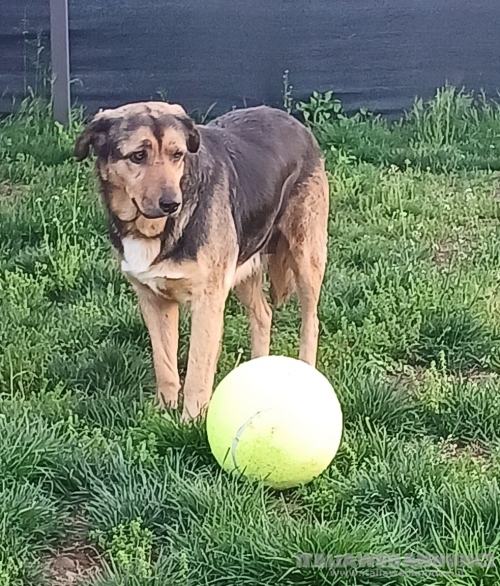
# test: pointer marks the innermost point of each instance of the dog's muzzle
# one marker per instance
(155, 214)
(168, 207)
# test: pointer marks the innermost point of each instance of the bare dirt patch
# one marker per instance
(452, 449)
(448, 251)
(74, 564)
(9, 191)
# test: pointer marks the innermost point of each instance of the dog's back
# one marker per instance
(267, 153)
(268, 128)
(264, 139)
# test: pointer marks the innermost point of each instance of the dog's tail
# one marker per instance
(281, 275)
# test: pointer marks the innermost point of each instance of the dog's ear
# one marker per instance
(95, 135)
(193, 134)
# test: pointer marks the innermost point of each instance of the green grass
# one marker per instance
(410, 338)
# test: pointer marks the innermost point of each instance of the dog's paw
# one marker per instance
(193, 414)
(167, 401)
(186, 417)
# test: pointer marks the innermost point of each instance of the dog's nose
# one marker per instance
(168, 206)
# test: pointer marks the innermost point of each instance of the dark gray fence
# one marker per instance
(376, 54)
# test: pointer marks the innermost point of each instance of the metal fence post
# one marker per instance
(59, 46)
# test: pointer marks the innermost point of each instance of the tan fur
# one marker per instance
(247, 269)
(204, 285)
(161, 317)
(297, 264)
(281, 274)
(303, 254)
(150, 228)
(252, 297)
(154, 108)
(135, 187)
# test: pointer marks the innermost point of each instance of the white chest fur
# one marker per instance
(139, 255)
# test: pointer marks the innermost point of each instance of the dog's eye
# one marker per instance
(138, 157)
(177, 156)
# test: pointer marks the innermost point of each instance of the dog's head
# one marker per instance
(141, 154)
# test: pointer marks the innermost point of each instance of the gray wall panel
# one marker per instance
(376, 54)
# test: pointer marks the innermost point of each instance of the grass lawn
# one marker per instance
(96, 483)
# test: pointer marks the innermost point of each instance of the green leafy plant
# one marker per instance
(435, 385)
(10, 571)
(128, 547)
(321, 109)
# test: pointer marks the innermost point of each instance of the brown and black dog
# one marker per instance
(195, 211)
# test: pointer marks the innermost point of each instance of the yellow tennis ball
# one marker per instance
(275, 419)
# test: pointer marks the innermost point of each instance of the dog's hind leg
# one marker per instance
(251, 295)
(304, 229)
(309, 279)
(308, 248)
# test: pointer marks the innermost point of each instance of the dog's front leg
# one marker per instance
(161, 317)
(207, 323)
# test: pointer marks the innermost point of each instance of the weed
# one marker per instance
(321, 109)
(128, 547)
(287, 93)
(435, 386)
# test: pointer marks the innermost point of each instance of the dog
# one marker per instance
(196, 211)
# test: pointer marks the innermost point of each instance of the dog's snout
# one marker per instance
(167, 205)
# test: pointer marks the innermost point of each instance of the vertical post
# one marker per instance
(59, 46)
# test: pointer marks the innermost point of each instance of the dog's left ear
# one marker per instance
(95, 136)
(193, 135)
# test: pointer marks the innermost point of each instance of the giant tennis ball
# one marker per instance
(275, 419)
